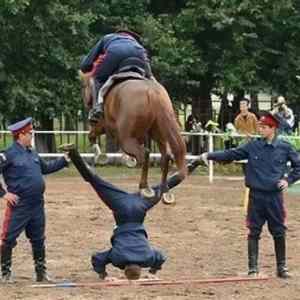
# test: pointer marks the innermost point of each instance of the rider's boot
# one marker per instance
(97, 112)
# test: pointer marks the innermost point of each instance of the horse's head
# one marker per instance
(87, 86)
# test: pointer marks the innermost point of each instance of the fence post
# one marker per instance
(211, 164)
(33, 139)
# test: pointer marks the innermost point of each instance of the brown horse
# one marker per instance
(137, 109)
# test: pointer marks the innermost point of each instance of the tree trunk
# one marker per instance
(226, 114)
(45, 143)
(70, 122)
(202, 110)
(202, 105)
(254, 103)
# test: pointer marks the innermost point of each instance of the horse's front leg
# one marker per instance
(97, 129)
(132, 147)
(145, 190)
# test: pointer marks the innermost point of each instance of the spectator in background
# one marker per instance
(192, 142)
(285, 115)
(246, 121)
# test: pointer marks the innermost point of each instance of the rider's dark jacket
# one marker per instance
(117, 43)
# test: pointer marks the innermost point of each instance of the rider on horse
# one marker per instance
(107, 56)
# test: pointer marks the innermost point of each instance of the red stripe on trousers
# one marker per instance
(97, 62)
(6, 222)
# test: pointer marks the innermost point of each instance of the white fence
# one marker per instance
(210, 142)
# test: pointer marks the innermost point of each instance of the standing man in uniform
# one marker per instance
(267, 178)
(23, 170)
(130, 249)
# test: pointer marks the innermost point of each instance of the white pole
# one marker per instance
(211, 164)
(33, 139)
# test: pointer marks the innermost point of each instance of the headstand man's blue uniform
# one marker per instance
(130, 245)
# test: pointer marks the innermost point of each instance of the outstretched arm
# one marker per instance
(294, 158)
(53, 165)
(239, 153)
(176, 179)
(172, 181)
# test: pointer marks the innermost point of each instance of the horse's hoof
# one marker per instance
(147, 192)
(103, 159)
(130, 161)
(99, 156)
(168, 198)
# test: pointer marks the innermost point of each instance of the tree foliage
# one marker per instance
(197, 47)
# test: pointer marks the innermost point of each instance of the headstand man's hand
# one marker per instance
(153, 271)
(102, 275)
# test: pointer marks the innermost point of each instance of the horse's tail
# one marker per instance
(169, 128)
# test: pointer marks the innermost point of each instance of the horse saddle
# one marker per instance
(130, 68)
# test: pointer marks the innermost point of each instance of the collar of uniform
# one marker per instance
(274, 143)
(20, 147)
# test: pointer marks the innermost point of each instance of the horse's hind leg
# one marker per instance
(133, 148)
(165, 170)
(145, 168)
(168, 198)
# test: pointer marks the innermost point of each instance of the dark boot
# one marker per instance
(252, 257)
(280, 252)
(6, 254)
(40, 265)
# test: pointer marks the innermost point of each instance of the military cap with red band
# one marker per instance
(23, 126)
(269, 120)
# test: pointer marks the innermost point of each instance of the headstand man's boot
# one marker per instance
(6, 260)
(39, 257)
(252, 257)
(280, 252)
